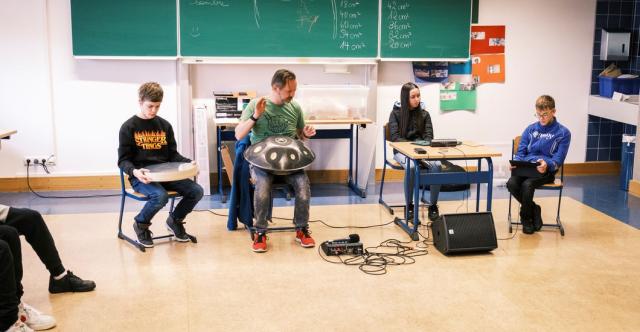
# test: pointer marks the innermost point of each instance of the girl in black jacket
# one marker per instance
(409, 121)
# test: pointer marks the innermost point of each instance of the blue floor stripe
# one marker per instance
(602, 193)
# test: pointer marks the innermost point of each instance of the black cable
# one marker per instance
(375, 260)
(310, 221)
(43, 196)
(44, 166)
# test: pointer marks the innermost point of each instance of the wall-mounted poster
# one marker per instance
(460, 72)
(434, 72)
(487, 39)
(488, 68)
(457, 96)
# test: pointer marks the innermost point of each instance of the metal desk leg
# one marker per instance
(478, 186)
(404, 224)
(223, 198)
(350, 179)
(416, 199)
(489, 183)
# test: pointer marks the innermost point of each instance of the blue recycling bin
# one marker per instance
(626, 162)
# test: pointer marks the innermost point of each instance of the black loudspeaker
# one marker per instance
(464, 232)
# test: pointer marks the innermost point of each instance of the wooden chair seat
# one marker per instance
(556, 184)
(130, 191)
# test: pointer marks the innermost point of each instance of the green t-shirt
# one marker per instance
(276, 120)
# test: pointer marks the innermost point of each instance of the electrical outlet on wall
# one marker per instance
(38, 160)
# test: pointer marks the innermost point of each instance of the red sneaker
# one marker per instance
(259, 242)
(303, 237)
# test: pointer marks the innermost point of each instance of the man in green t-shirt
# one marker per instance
(277, 114)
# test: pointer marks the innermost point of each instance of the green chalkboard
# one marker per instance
(279, 28)
(425, 29)
(124, 27)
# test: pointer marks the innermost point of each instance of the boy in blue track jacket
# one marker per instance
(545, 142)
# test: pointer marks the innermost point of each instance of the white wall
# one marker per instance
(24, 83)
(548, 51)
(208, 78)
(63, 106)
(76, 112)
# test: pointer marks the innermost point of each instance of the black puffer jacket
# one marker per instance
(413, 133)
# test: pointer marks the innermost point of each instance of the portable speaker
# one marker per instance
(464, 232)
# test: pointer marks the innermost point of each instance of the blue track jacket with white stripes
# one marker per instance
(550, 143)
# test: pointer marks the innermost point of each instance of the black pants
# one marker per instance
(30, 224)
(10, 276)
(522, 188)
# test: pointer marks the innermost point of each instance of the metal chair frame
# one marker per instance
(392, 164)
(556, 185)
(129, 192)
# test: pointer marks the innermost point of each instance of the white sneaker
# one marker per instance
(19, 326)
(34, 318)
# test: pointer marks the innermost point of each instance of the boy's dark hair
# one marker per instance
(281, 77)
(150, 91)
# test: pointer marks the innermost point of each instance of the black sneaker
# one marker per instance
(176, 227)
(527, 227)
(70, 283)
(433, 212)
(537, 217)
(145, 237)
(410, 214)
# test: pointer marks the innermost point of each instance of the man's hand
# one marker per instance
(141, 175)
(261, 105)
(542, 168)
(308, 131)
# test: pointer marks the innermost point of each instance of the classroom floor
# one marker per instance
(586, 280)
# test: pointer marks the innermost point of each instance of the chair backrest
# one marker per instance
(122, 186)
(385, 139)
(514, 149)
(387, 131)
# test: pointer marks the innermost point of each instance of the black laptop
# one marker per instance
(525, 168)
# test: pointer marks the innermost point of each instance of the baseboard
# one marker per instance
(315, 176)
(113, 181)
(634, 188)
(61, 183)
(592, 168)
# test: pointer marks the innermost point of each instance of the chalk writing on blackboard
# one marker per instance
(212, 3)
(399, 25)
(349, 32)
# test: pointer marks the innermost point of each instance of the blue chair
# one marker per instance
(129, 192)
(393, 165)
(557, 185)
(241, 196)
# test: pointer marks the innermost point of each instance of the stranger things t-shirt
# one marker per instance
(145, 142)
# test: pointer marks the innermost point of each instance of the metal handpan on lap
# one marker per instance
(279, 155)
(172, 171)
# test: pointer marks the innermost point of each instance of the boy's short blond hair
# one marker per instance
(545, 102)
(150, 91)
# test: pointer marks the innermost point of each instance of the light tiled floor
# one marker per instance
(584, 281)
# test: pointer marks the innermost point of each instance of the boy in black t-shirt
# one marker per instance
(147, 139)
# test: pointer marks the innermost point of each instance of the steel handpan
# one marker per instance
(279, 155)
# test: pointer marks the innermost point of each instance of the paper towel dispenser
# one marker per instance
(614, 45)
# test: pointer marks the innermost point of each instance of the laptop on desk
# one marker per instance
(443, 142)
(525, 168)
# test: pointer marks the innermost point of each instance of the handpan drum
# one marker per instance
(172, 171)
(279, 155)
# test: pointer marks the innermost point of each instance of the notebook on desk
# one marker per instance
(525, 168)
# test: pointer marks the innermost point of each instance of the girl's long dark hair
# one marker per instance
(406, 114)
